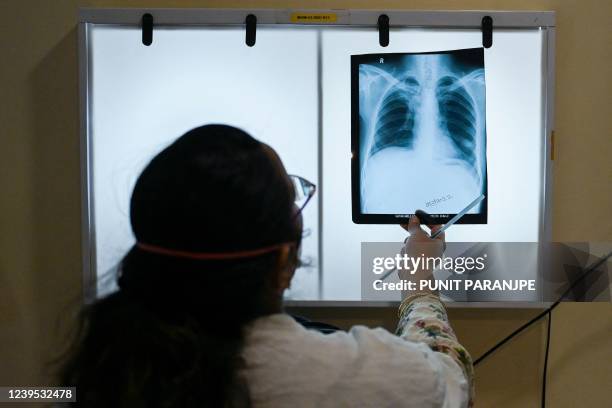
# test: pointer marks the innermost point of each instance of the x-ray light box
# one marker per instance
(292, 90)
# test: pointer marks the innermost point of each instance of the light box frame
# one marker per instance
(131, 17)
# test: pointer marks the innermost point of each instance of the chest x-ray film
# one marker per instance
(418, 135)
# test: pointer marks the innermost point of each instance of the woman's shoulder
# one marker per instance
(355, 362)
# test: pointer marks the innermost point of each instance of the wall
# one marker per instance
(40, 216)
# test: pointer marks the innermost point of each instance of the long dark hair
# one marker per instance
(171, 336)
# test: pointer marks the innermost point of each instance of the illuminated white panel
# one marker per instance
(143, 98)
(514, 143)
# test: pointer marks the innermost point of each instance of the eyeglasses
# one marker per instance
(304, 190)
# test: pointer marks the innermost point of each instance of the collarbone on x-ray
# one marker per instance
(422, 132)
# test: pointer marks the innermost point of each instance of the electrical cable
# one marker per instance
(546, 360)
(546, 312)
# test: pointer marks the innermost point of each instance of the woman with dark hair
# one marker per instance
(198, 319)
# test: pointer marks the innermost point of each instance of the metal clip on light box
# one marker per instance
(147, 29)
(251, 29)
(383, 30)
(486, 26)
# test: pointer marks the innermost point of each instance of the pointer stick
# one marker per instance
(445, 227)
(458, 216)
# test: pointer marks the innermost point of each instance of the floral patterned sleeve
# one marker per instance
(423, 318)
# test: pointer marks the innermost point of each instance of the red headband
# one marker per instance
(209, 255)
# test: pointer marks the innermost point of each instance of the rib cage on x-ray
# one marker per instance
(458, 116)
(399, 106)
(421, 119)
(395, 118)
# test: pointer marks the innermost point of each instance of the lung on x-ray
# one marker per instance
(418, 135)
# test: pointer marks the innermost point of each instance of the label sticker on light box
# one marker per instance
(313, 17)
